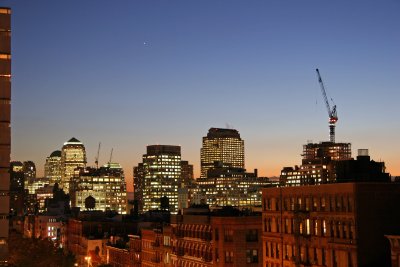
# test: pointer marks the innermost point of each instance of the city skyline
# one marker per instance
(144, 76)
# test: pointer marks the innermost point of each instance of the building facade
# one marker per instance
(221, 147)
(333, 225)
(161, 175)
(52, 167)
(5, 130)
(226, 237)
(233, 187)
(73, 155)
(106, 185)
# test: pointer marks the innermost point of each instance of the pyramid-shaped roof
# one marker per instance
(73, 140)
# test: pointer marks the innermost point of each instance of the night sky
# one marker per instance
(134, 73)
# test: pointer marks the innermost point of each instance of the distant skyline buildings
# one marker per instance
(52, 167)
(73, 155)
(221, 148)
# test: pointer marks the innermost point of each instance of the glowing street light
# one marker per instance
(87, 258)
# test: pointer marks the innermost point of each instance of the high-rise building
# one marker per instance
(29, 169)
(16, 188)
(5, 130)
(187, 176)
(318, 152)
(222, 148)
(106, 185)
(52, 167)
(161, 176)
(138, 185)
(318, 164)
(73, 155)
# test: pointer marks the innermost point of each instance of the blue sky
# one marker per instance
(133, 73)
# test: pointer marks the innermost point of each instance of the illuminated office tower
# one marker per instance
(106, 185)
(5, 130)
(161, 176)
(73, 155)
(221, 148)
(52, 167)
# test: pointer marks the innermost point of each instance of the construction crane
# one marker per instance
(333, 118)
(97, 156)
(109, 162)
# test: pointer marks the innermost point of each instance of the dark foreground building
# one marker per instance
(338, 225)
(5, 130)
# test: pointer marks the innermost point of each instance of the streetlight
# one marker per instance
(87, 258)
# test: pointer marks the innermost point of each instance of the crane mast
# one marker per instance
(97, 156)
(333, 118)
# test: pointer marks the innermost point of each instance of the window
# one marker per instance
(286, 226)
(350, 231)
(323, 204)
(308, 227)
(228, 256)
(332, 204)
(323, 232)
(308, 204)
(287, 247)
(350, 206)
(252, 255)
(216, 234)
(252, 235)
(315, 227)
(267, 249)
(338, 203)
(228, 235)
(315, 255)
(323, 256)
(315, 204)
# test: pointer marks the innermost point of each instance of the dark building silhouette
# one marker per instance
(361, 170)
(17, 177)
(5, 129)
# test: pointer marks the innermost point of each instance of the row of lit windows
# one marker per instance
(338, 203)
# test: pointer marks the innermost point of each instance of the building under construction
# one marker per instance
(317, 153)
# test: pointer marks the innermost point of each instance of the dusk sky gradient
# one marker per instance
(134, 73)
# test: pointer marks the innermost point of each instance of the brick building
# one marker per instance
(227, 237)
(329, 225)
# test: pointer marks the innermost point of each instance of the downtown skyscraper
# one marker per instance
(159, 175)
(52, 167)
(73, 155)
(5, 130)
(221, 148)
